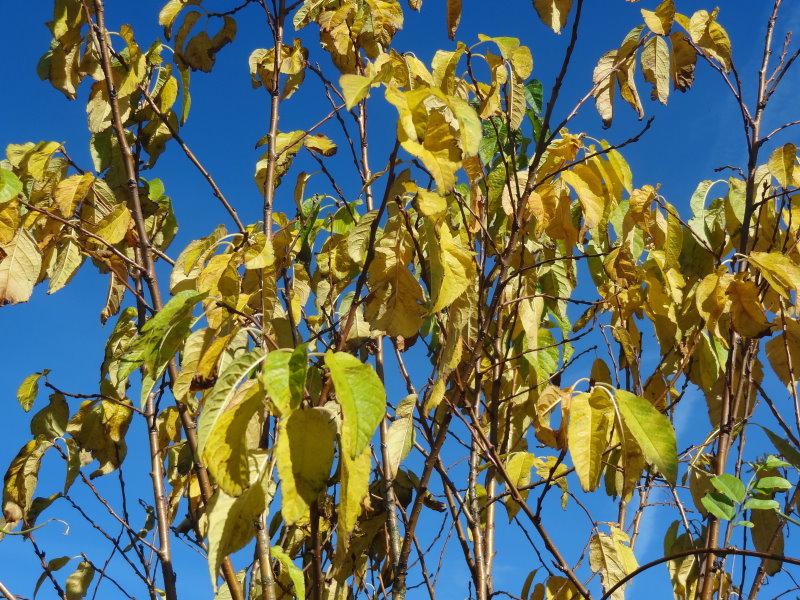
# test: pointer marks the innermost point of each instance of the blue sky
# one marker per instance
(696, 132)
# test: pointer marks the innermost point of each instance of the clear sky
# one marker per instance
(695, 133)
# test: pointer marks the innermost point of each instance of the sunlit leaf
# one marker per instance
(652, 431)
(361, 395)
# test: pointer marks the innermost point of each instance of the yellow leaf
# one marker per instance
(354, 88)
(452, 268)
(655, 67)
(780, 271)
(436, 395)
(652, 431)
(683, 571)
(590, 420)
(79, 580)
(305, 455)
(226, 451)
(604, 81)
(259, 254)
(682, 61)
(219, 277)
(588, 188)
(355, 487)
(550, 398)
(627, 85)
(21, 479)
(660, 20)
(287, 145)
(29, 389)
(784, 348)
(710, 36)
(553, 13)
(394, 304)
(99, 428)
(518, 56)
(612, 557)
(231, 521)
(19, 268)
(32, 158)
(190, 357)
(746, 311)
(9, 221)
(559, 588)
(516, 101)
(430, 203)
(400, 438)
(284, 377)
(321, 144)
(169, 12)
(222, 395)
(550, 468)
(72, 190)
(294, 572)
(440, 130)
(518, 466)
(768, 536)
(68, 260)
(782, 163)
(711, 298)
(113, 227)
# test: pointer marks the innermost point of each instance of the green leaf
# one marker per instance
(729, 486)
(362, 398)
(773, 484)
(162, 336)
(719, 505)
(295, 573)
(285, 378)
(53, 565)
(10, 186)
(784, 447)
(652, 431)
(772, 462)
(534, 94)
(221, 395)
